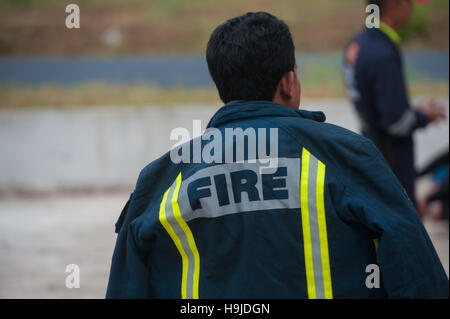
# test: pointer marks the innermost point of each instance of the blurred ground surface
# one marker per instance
(40, 236)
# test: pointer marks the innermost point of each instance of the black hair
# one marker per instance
(379, 3)
(248, 55)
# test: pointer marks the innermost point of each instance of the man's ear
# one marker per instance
(287, 84)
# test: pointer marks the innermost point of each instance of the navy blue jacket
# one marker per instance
(317, 226)
(376, 85)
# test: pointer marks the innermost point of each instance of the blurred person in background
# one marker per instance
(376, 85)
(438, 169)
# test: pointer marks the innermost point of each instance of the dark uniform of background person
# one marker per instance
(376, 86)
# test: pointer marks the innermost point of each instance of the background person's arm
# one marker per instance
(397, 118)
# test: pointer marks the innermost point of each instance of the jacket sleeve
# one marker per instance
(374, 200)
(129, 274)
(396, 116)
(130, 271)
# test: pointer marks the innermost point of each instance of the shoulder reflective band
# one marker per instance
(315, 241)
(179, 231)
(391, 33)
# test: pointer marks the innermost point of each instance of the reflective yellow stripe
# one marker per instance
(183, 239)
(305, 225)
(314, 226)
(393, 35)
(176, 240)
(376, 241)
(191, 241)
(323, 231)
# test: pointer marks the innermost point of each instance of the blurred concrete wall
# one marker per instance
(106, 147)
(101, 147)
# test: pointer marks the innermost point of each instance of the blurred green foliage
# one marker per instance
(421, 20)
(24, 3)
(184, 26)
(419, 24)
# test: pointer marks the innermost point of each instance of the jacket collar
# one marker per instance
(240, 110)
(391, 33)
(382, 35)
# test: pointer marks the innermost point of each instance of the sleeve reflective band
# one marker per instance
(404, 125)
(315, 239)
(376, 242)
(179, 231)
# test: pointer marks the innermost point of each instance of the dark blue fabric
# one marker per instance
(260, 254)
